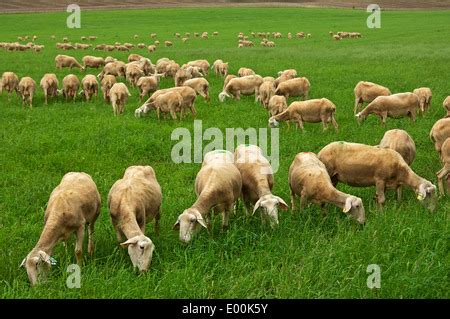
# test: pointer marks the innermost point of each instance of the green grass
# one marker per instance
(308, 256)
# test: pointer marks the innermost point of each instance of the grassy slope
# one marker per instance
(308, 255)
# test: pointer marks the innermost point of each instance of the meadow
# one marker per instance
(308, 255)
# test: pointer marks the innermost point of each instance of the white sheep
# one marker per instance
(444, 173)
(90, 86)
(257, 183)
(425, 97)
(277, 104)
(118, 95)
(440, 132)
(49, 84)
(200, 85)
(9, 82)
(94, 62)
(27, 87)
(133, 201)
(218, 186)
(107, 82)
(70, 86)
(73, 205)
(367, 92)
(309, 179)
(446, 105)
(148, 84)
(265, 92)
(245, 71)
(169, 102)
(294, 87)
(364, 165)
(65, 61)
(245, 85)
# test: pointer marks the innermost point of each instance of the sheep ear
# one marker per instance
(44, 257)
(348, 205)
(200, 219)
(257, 205)
(23, 262)
(176, 226)
(131, 241)
(282, 203)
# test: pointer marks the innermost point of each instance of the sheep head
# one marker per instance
(189, 223)
(360, 117)
(354, 208)
(140, 249)
(426, 194)
(37, 264)
(273, 122)
(223, 96)
(269, 204)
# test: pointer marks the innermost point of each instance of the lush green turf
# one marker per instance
(308, 256)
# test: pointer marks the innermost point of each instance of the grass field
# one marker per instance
(308, 255)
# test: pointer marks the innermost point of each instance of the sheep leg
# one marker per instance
(90, 239)
(355, 110)
(156, 226)
(412, 116)
(383, 118)
(399, 193)
(303, 201)
(226, 217)
(440, 175)
(118, 233)
(292, 201)
(380, 188)
(79, 244)
(324, 124)
(300, 123)
(333, 121)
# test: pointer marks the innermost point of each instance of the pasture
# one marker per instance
(308, 255)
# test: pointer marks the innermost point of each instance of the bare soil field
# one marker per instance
(14, 6)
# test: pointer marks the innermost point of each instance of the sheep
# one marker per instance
(265, 92)
(141, 45)
(203, 65)
(128, 45)
(27, 87)
(107, 82)
(445, 171)
(277, 104)
(336, 37)
(227, 80)
(312, 111)
(440, 132)
(186, 92)
(118, 96)
(92, 62)
(153, 35)
(92, 38)
(70, 85)
(9, 82)
(90, 86)
(133, 201)
(425, 96)
(156, 43)
(169, 102)
(395, 105)
(73, 204)
(134, 57)
(364, 165)
(218, 186)
(200, 85)
(66, 61)
(205, 35)
(167, 67)
(110, 59)
(83, 38)
(257, 183)
(148, 84)
(133, 73)
(38, 48)
(196, 34)
(446, 105)
(168, 43)
(402, 143)
(82, 46)
(294, 87)
(177, 35)
(367, 92)
(290, 73)
(135, 36)
(246, 85)
(245, 71)
(215, 33)
(309, 179)
(49, 84)
(116, 68)
(220, 68)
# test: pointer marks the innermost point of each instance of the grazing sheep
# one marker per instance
(116, 68)
(440, 132)
(70, 85)
(153, 35)
(141, 45)
(294, 87)
(107, 82)
(167, 67)
(277, 104)
(227, 80)
(134, 57)
(245, 71)
(156, 43)
(9, 82)
(38, 48)
(445, 171)
(92, 62)
(200, 85)
(92, 38)
(364, 165)
(446, 105)
(312, 111)
(133, 73)
(90, 86)
(65, 61)
(49, 84)
(186, 92)
(336, 37)
(367, 92)
(27, 87)
(215, 33)
(402, 143)
(169, 103)
(220, 68)
(245, 85)
(134, 201)
(203, 65)
(168, 43)
(395, 105)
(284, 76)
(218, 186)
(73, 204)
(265, 92)
(257, 183)
(309, 179)
(118, 95)
(425, 96)
(148, 84)
(110, 59)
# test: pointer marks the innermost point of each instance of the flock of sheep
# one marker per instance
(225, 177)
